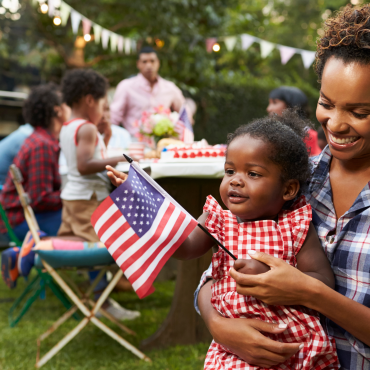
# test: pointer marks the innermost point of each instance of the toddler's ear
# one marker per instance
(291, 189)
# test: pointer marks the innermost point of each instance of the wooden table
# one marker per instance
(183, 325)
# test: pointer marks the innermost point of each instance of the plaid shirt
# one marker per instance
(348, 251)
(38, 162)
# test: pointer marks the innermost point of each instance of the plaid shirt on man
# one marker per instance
(348, 250)
(38, 162)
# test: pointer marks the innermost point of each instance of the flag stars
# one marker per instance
(136, 214)
(134, 222)
(117, 199)
(137, 207)
(126, 191)
(130, 207)
(128, 214)
(141, 222)
(124, 199)
(142, 215)
(140, 230)
(158, 199)
(147, 223)
(132, 199)
(123, 207)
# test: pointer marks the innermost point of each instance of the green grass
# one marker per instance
(91, 349)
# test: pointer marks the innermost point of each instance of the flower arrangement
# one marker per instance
(155, 125)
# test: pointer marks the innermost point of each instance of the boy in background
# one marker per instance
(85, 152)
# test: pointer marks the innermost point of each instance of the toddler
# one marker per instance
(266, 166)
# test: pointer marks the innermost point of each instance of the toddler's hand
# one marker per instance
(250, 267)
(116, 177)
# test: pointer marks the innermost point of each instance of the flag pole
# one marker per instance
(130, 160)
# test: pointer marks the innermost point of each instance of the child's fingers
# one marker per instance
(117, 173)
(114, 180)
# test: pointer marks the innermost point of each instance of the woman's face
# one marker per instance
(276, 106)
(344, 109)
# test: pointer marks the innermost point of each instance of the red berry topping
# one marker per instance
(206, 154)
(214, 154)
(184, 155)
(176, 155)
(199, 154)
(222, 153)
(192, 155)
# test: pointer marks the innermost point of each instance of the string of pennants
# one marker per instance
(128, 45)
(106, 37)
(286, 52)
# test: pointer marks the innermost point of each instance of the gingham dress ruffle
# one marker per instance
(282, 239)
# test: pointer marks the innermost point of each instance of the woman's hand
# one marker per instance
(282, 285)
(116, 177)
(243, 336)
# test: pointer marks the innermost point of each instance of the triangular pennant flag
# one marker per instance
(86, 26)
(286, 53)
(105, 38)
(133, 45)
(247, 41)
(51, 8)
(97, 33)
(120, 44)
(127, 45)
(65, 9)
(113, 41)
(266, 48)
(230, 42)
(209, 43)
(75, 20)
(307, 57)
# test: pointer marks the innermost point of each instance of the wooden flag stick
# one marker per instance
(130, 160)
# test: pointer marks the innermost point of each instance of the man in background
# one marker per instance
(144, 92)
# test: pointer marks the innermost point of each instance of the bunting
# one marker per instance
(128, 45)
(101, 35)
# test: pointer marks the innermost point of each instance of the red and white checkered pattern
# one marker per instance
(283, 240)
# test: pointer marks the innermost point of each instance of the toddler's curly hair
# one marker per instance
(346, 37)
(285, 134)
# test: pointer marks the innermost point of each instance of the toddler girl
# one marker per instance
(266, 166)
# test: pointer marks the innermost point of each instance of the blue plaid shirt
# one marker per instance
(348, 250)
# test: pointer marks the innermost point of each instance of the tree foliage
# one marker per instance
(230, 88)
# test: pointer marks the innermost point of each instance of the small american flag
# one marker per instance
(184, 127)
(141, 226)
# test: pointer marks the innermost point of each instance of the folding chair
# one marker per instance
(35, 288)
(79, 301)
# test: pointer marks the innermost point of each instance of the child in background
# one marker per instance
(85, 152)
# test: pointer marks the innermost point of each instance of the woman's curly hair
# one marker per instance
(38, 109)
(346, 37)
(285, 134)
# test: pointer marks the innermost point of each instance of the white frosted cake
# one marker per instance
(193, 153)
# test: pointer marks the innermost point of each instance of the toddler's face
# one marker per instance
(252, 188)
(96, 110)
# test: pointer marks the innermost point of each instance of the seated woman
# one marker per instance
(37, 161)
(339, 195)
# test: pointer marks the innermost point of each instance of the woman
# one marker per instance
(338, 192)
(285, 97)
(38, 162)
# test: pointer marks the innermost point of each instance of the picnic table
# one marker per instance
(189, 184)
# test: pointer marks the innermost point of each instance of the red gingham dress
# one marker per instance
(283, 240)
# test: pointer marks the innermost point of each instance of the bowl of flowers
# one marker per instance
(157, 124)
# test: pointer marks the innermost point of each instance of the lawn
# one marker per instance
(91, 349)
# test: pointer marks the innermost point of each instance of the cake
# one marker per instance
(193, 153)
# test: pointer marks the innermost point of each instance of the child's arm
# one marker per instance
(312, 260)
(86, 142)
(195, 245)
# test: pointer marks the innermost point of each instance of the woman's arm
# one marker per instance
(312, 260)
(243, 336)
(286, 285)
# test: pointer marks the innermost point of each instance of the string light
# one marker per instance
(216, 47)
(44, 8)
(87, 37)
(57, 20)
